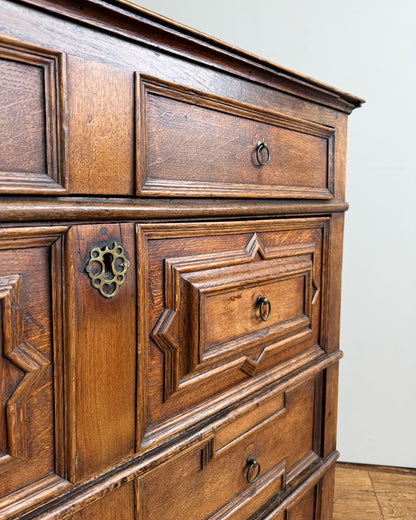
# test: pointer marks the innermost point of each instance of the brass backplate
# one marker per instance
(107, 267)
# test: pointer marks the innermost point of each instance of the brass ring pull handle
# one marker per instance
(260, 146)
(265, 307)
(253, 470)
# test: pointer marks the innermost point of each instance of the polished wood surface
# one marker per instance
(32, 118)
(169, 306)
(374, 493)
(271, 442)
(185, 136)
(203, 311)
(100, 128)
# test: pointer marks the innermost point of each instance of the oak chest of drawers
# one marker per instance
(170, 258)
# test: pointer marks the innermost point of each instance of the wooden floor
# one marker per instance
(373, 493)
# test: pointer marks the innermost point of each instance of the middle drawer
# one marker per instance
(222, 304)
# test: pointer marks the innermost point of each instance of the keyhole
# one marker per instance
(108, 261)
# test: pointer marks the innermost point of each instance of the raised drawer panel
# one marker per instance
(281, 443)
(31, 114)
(201, 285)
(196, 144)
(31, 414)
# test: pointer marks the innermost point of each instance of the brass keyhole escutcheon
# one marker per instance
(107, 267)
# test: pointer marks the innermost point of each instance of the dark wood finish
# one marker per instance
(122, 133)
(305, 508)
(29, 457)
(76, 209)
(116, 505)
(282, 443)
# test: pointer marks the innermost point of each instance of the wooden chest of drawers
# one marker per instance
(170, 254)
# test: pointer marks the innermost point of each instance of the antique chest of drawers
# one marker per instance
(170, 261)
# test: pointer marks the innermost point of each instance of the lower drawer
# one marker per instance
(241, 465)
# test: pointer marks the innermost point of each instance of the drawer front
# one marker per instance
(31, 112)
(31, 449)
(273, 441)
(196, 144)
(208, 329)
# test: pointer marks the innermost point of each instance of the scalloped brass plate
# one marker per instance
(107, 267)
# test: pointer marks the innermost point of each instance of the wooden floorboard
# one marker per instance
(371, 493)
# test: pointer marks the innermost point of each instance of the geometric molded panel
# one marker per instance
(22, 355)
(32, 436)
(280, 430)
(215, 297)
(203, 339)
(31, 122)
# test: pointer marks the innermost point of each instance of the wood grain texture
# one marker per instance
(371, 492)
(85, 209)
(397, 506)
(100, 134)
(28, 457)
(22, 84)
(381, 493)
(119, 504)
(24, 356)
(330, 382)
(134, 130)
(178, 362)
(310, 485)
(100, 357)
(385, 481)
(305, 508)
(185, 139)
(32, 108)
(224, 477)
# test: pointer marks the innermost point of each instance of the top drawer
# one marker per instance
(197, 144)
(71, 125)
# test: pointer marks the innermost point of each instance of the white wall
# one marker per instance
(367, 47)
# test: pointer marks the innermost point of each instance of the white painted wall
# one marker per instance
(367, 47)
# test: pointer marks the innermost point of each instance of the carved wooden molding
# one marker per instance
(30, 450)
(152, 86)
(203, 276)
(53, 98)
(23, 356)
(269, 484)
(207, 452)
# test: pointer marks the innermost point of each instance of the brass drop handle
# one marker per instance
(253, 470)
(265, 307)
(260, 146)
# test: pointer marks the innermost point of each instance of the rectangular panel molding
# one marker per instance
(171, 229)
(32, 123)
(191, 143)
